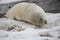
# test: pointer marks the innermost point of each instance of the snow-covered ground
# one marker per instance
(15, 30)
(8, 1)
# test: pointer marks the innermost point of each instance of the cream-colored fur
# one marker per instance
(29, 12)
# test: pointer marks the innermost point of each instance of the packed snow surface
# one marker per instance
(18, 30)
(8, 1)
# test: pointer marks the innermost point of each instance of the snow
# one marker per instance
(25, 31)
(8, 1)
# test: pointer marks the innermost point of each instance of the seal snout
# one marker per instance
(45, 22)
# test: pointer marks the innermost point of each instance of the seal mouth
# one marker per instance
(39, 25)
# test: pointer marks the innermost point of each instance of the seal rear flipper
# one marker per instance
(2, 15)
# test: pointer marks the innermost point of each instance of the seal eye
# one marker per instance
(40, 19)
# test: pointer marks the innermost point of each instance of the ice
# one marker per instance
(25, 31)
(8, 1)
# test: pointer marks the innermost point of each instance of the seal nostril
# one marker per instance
(45, 22)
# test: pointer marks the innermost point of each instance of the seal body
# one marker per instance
(29, 12)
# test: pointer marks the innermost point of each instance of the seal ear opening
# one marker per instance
(40, 19)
